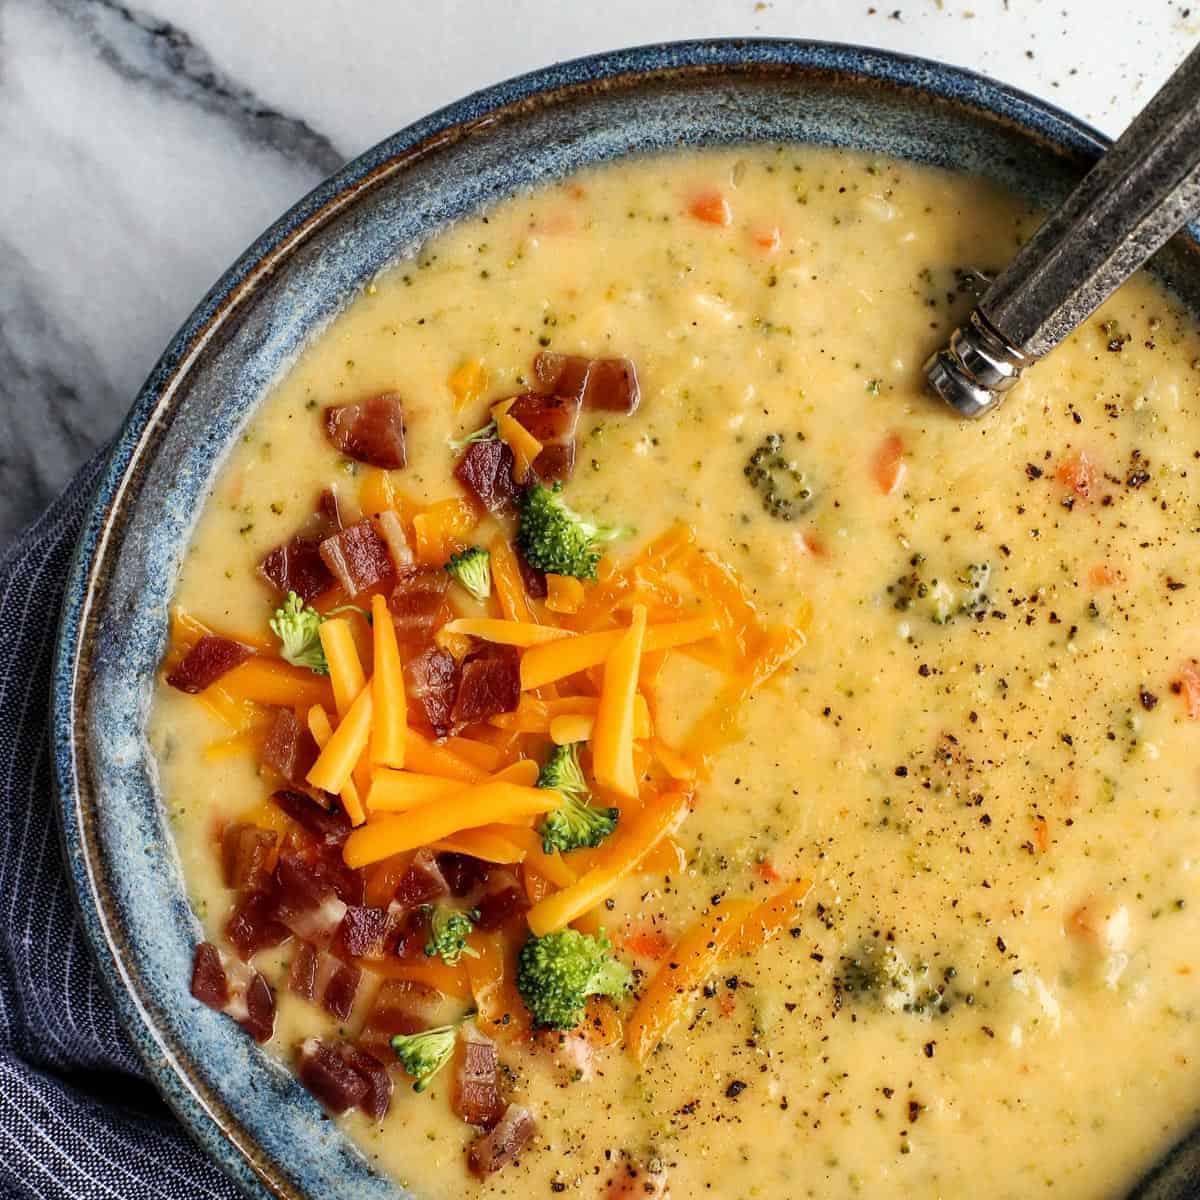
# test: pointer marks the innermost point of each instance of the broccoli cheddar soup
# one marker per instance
(624, 740)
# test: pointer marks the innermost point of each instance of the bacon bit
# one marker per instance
(365, 932)
(358, 557)
(462, 873)
(600, 384)
(297, 566)
(330, 826)
(332, 1076)
(416, 601)
(379, 1083)
(490, 684)
(638, 1183)
(476, 1094)
(289, 749)
(422, 882)
(205, 663)
(234, 989)
(767, 240)
(491, 1151)
(888, 467)
(710, 207)
(534, 580)
(318, 977)
(247, 857)
(252, 925)
(553, 421)
(371, 431)
(400, 1006)
(1041, 834)
(648, 942)
(307, 902)
(1102, 575)
(810, 544)
(496, 909)
(486, 471)
(1079, 473)
(432, 679)
(1188, 686)
(329, 509)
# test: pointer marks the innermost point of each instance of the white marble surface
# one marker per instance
(142, 148)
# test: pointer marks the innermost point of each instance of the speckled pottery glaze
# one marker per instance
(248, 1112)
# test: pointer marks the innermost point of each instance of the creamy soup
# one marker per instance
(979, 744)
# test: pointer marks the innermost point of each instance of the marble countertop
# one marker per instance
(144, 147)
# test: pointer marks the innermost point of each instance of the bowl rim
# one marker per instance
(199, 1109)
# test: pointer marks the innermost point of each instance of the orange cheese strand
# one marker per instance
(322, 731)
(510, 589)
(613, 733)
(683, 972)
(507, 633)
(271, 681)
(624, 853)
(541, 665)
(339, 756)
(467, 383)
(399, 791)
(441, 530)
(770, 918)
(524, 446)
(496, 802)
(434, 758)
(345, 666)
(564, 593)
(390, 722)
(489, 844)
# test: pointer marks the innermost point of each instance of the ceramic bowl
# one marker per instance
(250, 1114)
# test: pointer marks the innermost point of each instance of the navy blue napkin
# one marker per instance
(77, 1117)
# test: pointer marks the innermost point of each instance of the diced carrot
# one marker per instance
(345, 667)
(487, 844)
(491, 803)
(340, 754)
(664, 1002)
(1188, 686)
(613, 734)
(435, 758)
(888, 466)
(451, 981)
(467, 383)
(322, 732)
(510, 589)
(271, 681)
(390, 719)
(524, 446)
(624, 853)
(507, 633)
(767, 238)
(767, 871)
(500, 1011)
(564, 593)
(541, 665)
(710, 207)
(1079, 473)
(647, 941)
(1041, 834)
(1102, 576)
(770, 918)
(441, 530)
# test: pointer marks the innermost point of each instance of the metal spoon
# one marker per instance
(1142, 191)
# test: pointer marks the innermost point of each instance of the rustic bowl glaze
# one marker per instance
(249, 1113)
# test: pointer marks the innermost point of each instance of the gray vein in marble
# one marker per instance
(146, 50)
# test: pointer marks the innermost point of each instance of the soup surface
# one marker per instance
(979, 744)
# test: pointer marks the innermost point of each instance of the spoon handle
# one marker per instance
(1139, 194)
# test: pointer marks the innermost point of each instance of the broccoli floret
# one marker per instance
(449, 929)
(298, 627)
(785, 488)
(424, 1054)
(553, 537)
(557, 973)
(881, 975)
(484, 434)
(473, 569)
(575, 823)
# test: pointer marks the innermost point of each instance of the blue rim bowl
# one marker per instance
(250, 1115)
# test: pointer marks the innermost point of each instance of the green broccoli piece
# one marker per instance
(484, 434)
(883, 976)
(557, 973)
(298, 627)
(553, 537)
(449, 929)
(424, 1054)
(473, 569)
(576, 823)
